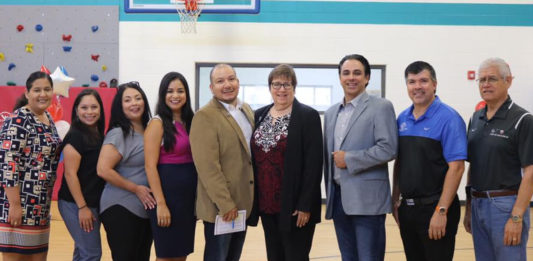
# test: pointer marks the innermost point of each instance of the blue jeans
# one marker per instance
(489, 216)
(226, 247)
(87, 245)
(360, 237)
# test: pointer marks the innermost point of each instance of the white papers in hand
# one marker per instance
(237, 225)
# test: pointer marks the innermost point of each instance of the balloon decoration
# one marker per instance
(62, 82)
(62, 129)
(11, 66)
(2, 57)
(11, 83)
(94, 28)
(94, 77)
(45, 70)
(63, 70)
(104, 68)
(20, 27)
(38, 27)
(95, 57)
(3, 116)
(102, 84)
(56, 110)
(29, 48)
(480, 105)
(67, 48)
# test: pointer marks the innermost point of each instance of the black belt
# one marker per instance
(493, 193)
(421, 201)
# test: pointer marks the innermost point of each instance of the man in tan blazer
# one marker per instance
(220, 142)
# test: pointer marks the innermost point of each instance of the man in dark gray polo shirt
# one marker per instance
(500, 180)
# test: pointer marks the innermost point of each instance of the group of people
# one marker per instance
(150, 178)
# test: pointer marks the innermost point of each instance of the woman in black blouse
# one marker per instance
(287, 150)
(81, 188)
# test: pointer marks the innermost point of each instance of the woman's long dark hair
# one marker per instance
(118, 118)
(91, 136)
(169, 130)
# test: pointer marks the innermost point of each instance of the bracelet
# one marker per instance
(84, 206)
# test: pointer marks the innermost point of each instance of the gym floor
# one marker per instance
(324, 243)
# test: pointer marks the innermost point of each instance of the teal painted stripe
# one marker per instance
(343, 13)
(60, 2)
(368, 13)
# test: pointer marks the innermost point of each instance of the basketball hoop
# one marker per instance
(189, 11)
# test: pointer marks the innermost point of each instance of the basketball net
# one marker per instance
(188, 13)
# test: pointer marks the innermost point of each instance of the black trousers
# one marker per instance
(414, 225)
(281, 245)
(129, 236)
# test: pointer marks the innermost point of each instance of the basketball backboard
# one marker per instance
(208, 6)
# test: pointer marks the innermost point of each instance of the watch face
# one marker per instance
(516, 219)
(442, 210)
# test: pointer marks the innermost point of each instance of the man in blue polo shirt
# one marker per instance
(500, 179)
(429, 167)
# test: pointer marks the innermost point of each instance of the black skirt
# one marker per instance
(178, 182)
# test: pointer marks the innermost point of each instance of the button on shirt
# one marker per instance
(238, 115)
(341, 127)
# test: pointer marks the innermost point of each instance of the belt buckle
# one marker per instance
(410, 201)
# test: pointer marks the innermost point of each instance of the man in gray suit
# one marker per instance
(360, 137)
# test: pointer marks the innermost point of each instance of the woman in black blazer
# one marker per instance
(287, 150)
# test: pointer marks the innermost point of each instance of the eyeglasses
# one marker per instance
(490, 79)
(278, 85)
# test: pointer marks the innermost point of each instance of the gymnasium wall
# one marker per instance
(454, 36)
(453, 41)
(82, 39)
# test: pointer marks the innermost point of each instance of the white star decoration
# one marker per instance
(62, 82)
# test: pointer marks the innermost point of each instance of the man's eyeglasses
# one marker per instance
(278, 85)
(490, 79)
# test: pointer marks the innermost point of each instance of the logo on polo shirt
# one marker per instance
(498, 133)
(403, 126)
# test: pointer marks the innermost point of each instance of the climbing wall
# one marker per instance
(82, 39)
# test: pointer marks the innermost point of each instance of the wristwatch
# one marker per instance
(441, 210)
(516, 218)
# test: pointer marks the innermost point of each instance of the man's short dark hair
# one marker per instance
(419, 66)
(359, 58)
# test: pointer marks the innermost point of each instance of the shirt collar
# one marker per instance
(354, 101)
(429, 112)
(501, 112)
(230, 107)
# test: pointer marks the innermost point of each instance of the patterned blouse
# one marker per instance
(29, 155)
(269, 143)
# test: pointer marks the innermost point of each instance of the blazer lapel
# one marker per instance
(330, 125)
(361, 106)
(249, 115)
